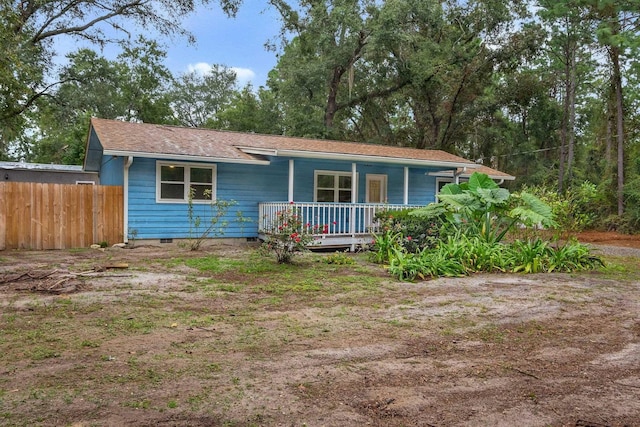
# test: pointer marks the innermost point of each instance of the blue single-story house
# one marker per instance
(335, 186)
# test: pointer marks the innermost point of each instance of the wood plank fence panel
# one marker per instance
(3, 218)
(59, 216)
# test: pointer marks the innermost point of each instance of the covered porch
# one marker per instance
(332, 224)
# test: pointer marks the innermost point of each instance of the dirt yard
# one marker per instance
(222, 337)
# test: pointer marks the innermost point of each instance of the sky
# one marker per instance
(237, 43)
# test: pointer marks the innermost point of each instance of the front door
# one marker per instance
(376, 188)
(376, 193)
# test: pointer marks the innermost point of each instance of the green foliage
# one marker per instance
(481, 208)
(28, 31)
(461, 256)
(197, 99)
(572, 256)
(287, 235)
(475, 217)
(339, 258)
(209, 225)
(131, 87)
(631, 219)
(528, 256)
(384, 245)
(418, 232)
(575, 210)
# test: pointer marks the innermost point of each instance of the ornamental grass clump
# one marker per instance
(288, 234)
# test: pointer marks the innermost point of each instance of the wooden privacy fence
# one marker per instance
(59, 216)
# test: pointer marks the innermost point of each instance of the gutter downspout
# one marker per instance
(456, 175)
(125, 196)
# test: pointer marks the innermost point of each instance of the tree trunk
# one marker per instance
(617, 82)
(572, 113)
(332, 99)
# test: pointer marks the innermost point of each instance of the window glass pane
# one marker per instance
(325, 181)
(201, 175)
(442, 184)
(326, 196)
(172, 191)
(172, 173)
(345, 181)
(344, 196)
(201, 192)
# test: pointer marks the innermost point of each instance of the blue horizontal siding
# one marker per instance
(111, 170)
(248, 185)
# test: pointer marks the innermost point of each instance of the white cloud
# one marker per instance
(200, 68)
(243, 75)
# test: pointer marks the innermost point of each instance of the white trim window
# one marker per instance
(441, 182)
(332, 186)
(173, 181)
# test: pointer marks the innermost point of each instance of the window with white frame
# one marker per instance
(173, 181)
(441, 182)
(333, 186)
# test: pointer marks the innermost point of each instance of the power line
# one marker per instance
(517, 154)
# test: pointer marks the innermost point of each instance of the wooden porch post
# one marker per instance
(354, 201)
(291, 175)
(405, 199)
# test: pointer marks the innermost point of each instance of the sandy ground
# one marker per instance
(486, 350)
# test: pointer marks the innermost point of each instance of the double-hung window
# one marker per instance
(176, 181)
(331, 186)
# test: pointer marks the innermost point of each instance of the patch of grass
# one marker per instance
(620, 268)
(138, 404)
(490, 333)
(127, 325)
(286, 287)
(41, 353)
(89, 344)
(79, 250)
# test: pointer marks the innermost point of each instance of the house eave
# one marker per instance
(185, 157)
(449, 174)
(355, 157)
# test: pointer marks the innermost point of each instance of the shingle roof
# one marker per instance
(493, 173)
(137, 138)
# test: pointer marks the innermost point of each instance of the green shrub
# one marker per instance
(465, 255)
(209, 223)
(630, 222)
(527, 256)
(339, 258)
(402, 230)
(575, 210)
(287, 235)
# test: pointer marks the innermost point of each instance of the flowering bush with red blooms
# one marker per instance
(288, 234)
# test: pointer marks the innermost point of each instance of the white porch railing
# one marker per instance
(329, 219)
